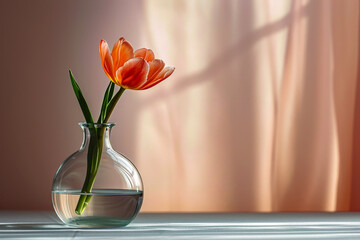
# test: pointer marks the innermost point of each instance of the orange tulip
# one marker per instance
(137, 70)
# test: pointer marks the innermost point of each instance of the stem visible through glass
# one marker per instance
(93, 161)
(94, 152)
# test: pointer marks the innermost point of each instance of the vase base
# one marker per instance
(94, 222)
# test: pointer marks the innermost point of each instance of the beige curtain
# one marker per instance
(259, 114)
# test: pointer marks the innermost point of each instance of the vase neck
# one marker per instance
(96, 132)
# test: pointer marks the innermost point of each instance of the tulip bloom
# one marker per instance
(137, 70)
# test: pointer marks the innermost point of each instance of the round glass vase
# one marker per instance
(97, 186)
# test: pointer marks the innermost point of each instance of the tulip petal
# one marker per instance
(106, 60)
(133, 74)
(121, 53)
(165, 73)
(155, 68)
(146, 54)
(115, 54)
(126, 53)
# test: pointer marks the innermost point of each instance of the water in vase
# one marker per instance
(107, 207)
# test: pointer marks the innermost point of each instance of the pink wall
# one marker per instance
(40, 41)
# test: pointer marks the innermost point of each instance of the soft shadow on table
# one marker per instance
(34, 230)
(33, 226)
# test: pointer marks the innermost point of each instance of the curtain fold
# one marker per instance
(355, 164)
(316, 110)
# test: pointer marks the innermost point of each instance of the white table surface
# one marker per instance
(45, 225)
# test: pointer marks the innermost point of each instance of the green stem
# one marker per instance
(94, 156)
(95, 150)
(112, 103)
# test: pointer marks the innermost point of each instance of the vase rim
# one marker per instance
(97, 125)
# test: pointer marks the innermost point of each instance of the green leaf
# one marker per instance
(84, 107)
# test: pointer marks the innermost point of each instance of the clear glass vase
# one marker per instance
(97, 186)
